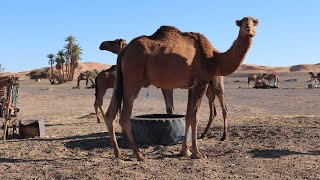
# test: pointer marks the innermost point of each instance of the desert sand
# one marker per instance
(274, 134)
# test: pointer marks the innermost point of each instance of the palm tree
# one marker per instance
(67, 66)
(73, 53)
(51, 61)
(76, 57)
(61, 55)
(69, 51)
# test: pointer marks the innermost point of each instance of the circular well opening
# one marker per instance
(159, 116)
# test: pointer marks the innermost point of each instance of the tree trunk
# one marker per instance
(62, 72)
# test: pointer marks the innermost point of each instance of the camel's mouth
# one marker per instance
(102, 46)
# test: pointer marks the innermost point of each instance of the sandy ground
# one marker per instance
(274, 134)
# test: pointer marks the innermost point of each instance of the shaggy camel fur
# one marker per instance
(315, 78)
(84, 76)
(106, 78)
(172, 59)
(216, 88)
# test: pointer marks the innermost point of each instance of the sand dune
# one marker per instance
(91, 66)
(252, 68)
(244, 68)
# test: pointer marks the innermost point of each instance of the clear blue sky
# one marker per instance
(288, 32)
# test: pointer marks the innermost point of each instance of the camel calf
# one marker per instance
(216, 88)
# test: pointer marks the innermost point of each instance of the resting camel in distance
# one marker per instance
(252, 77)
(105, 79)
(84, 76)
(270, 77)
(315, 78)
(172, 59)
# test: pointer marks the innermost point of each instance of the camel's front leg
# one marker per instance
(87, 82)
(194, 101)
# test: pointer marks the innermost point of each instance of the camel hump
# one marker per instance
(165, 31)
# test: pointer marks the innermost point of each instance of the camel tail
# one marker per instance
(118, 88)
(96, 89)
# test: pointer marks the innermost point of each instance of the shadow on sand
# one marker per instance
(16, 160)
(89, 141)
(276, 153)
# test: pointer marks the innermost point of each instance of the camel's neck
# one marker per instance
(229, 61)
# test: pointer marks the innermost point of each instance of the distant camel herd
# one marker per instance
(259, 78)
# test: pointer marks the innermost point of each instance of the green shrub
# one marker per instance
(38, 74)
(93, 73)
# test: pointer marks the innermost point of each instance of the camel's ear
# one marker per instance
(238, 23)
(255, 22)
(122, 43)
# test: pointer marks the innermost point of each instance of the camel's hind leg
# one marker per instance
(124, 121)
(194, 101)
(95, 105)
(99, 102)
(213, 112)
(109, 120)
(168, 99)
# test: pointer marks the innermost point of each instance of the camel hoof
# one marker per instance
(203, 136)
(140, 157)
(186, 153)
(198, 156)
(224, 138)
(120, 156)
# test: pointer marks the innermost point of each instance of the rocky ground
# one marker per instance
(274, 134)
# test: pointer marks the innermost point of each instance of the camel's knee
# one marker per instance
(95, 105)
(98, 103)
(224, 113)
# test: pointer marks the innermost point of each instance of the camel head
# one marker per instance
(115, 46)
(312, 73)
(247, 26)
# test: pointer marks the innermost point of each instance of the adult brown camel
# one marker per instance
(172, 59)
(84, 76)
(216, 88)
(252, 77)
(105, 79)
